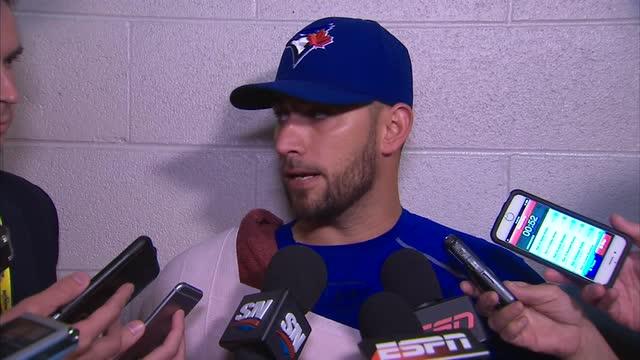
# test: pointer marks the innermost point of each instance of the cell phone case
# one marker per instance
(547, 263)
(137, 264)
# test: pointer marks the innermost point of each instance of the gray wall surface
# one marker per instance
(125, 119)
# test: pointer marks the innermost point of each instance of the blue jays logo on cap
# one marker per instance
(309, 40)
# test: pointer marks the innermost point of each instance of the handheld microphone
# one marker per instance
(409, 274)
(271, 324)
(390, 330)
(479, 273)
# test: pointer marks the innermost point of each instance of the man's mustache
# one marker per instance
(290, 164)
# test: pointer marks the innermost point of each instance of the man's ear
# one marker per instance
(396, 126)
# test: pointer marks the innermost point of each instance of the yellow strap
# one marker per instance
(5, 290)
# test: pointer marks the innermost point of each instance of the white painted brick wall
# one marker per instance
(125, 119)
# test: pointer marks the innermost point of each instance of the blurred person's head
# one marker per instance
(10, 49)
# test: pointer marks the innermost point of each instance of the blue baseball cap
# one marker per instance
(336, 61)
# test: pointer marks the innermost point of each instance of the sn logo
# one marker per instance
(254, 310)
(420, 347)
(293, 330)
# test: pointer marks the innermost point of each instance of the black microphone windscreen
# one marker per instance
(402, 269)
(386, 314)
(301, 271)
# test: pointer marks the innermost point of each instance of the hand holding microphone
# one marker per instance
(390, 330)
(409, 274)
(271, 324)
(545, 319)
(410, 320)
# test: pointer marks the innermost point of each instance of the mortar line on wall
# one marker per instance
(509, 172)
(578, 22)
(133, 146)
(129, 119)
(526, 152)
(269, 148)
(256, 168)
(303, 21)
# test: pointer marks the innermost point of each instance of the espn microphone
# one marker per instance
(409, 274)
(271, 324)
(390, 330)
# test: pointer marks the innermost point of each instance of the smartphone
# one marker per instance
(478, 272)
(158, 324)
(583, 249)
(137, 264)
(34, 337)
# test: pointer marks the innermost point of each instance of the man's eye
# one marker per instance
(12, 59)
(9, 62)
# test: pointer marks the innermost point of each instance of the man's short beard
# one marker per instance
(344, 190)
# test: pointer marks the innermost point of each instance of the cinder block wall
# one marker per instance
(125, 119)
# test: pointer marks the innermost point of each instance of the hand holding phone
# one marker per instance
(581, 248)
(93, 342)
(158, 324)
(137, 265)
(620, 301)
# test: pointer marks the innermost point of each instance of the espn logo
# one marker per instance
(424, 347)
(452, 323)
(291, 334)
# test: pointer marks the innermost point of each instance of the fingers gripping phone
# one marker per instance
(479, 273)
(34, 337)
(158, 324)
(137, 264)
(581, 248)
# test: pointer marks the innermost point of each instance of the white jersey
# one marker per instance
(212, 266)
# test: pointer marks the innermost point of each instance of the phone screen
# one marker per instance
(559, 238)
(24, 332)
(33, 337)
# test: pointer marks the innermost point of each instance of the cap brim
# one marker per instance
(264, 95)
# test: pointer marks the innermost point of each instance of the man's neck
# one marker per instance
(359, 223)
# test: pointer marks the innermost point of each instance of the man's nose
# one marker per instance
(291, 137)
(8, 89)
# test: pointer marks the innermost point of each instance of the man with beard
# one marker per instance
(342, 100)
